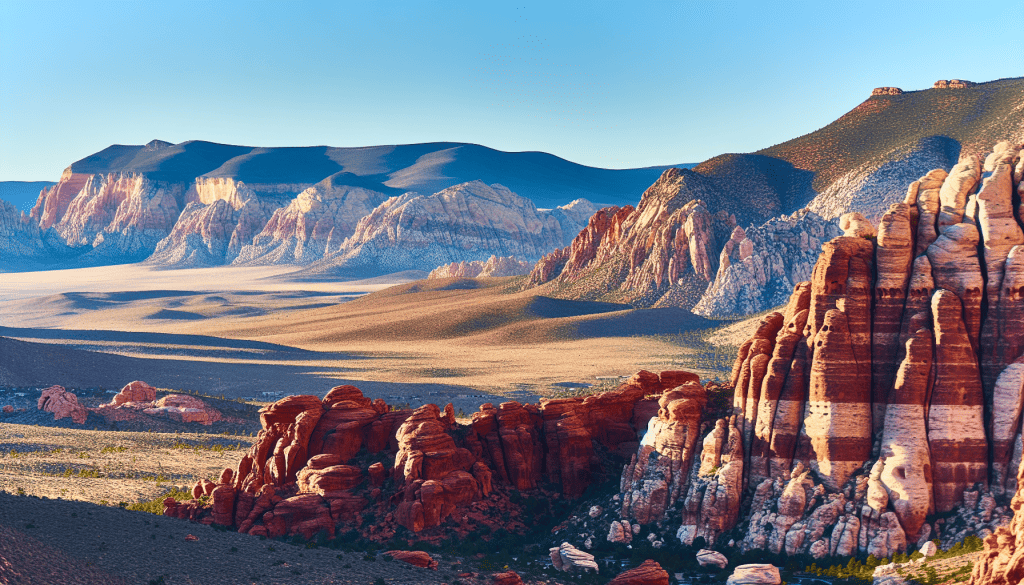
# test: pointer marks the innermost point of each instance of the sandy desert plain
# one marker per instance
(243, 337)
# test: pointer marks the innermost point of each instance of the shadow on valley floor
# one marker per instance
(171, 344)
(663, 321)
(39, 364)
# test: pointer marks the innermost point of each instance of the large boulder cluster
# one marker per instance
(320, 464)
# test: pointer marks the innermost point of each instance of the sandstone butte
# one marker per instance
(888, 389)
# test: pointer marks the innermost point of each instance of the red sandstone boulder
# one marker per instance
(414, 557)
(136, 391)
(62, 404)
(648, 573)
(507, 578)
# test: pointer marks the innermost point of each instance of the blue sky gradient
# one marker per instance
(609, 84)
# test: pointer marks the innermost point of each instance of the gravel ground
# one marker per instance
(45, 541)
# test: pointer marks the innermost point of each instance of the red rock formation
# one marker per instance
(507, 578)
(956, 429)
(648, 573)
(886, 91)
(136, 391)
(838, 422)
(657, 474)
(414, 557)
(907, 474)
(1002, 562)
(953, 84)
(62, 404)
(894, 256)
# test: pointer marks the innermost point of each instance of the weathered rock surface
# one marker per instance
(648, 573)
(758, 267)
(860, 409)
(471, 221)
(414, 557)
(320, 216)
(568, 558)
(1003, 560)
(312, 454)
(755, 575)
(952, 84)
(62, 404)
(711, 558)
(886, 91)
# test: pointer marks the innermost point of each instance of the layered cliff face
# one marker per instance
(493, 267)
(885, 390)
(21, 241)
(112, 217)
(319, 217)
(320, 464)
(665, 251)
(466, 222)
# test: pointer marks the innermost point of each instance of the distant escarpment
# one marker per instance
(199, 203)
(471, 221)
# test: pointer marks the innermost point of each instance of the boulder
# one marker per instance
(414, 557)
(136, 391)
(567, 558)
(755, 574)
(648, 573)
(62, 404)
(711, 558)
(507, 578)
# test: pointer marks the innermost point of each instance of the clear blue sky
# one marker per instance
(611, 84)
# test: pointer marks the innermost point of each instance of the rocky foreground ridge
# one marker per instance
(330, 464)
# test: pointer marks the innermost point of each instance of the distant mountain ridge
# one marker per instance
(544, 178)
(199, 203)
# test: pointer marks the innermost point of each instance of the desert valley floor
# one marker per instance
(243, 332)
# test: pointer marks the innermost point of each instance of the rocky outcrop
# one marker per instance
(886, 91)
(493, 267)
(663, 252)
(114, 216)
(655, 478)
(758, 267)
(324, 459)
(21, 241)
(139, 397)
(952, 84)
(711, 558)
(319, 217)
(648, 573)
(471, 221)
(1002, 562)
(221, 216)
(62, 404)
(570, 559)
(755, 575)
(137, 391)
(860, 408)
(414, 557)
